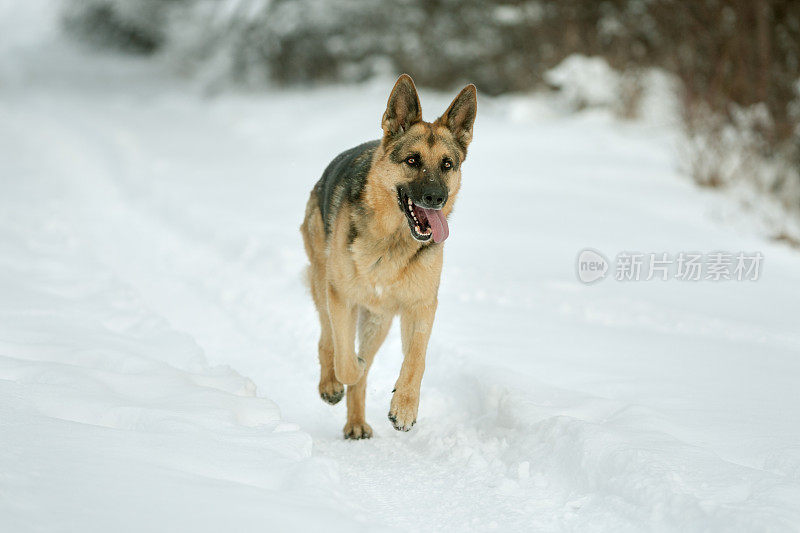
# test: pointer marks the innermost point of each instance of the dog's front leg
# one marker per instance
(346, 366)
(415, 325)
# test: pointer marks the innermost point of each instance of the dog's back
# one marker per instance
(343, 180)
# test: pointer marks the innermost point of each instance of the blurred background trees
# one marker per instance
(737, 62)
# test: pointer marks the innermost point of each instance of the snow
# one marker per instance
(585, 81)
(158, 348)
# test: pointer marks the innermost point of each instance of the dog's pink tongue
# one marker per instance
(438, 224)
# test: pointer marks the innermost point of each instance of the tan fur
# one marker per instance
(360, 286)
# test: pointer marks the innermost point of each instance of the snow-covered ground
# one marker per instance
(158, 365)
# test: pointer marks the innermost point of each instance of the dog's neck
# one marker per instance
(376, 247)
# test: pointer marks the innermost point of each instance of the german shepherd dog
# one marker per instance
(373, 231)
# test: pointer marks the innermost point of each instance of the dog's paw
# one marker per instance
(403, 411)
(357, 430)
(331, 391)
(350, 370)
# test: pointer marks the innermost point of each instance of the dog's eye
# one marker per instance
(411, 161)
(447, 164)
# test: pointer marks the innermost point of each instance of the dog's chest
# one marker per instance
(392, 278)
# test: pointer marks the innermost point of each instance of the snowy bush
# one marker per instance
(585, 81)
(501, 46)
(139, 27)
(312, 41)
(734, 153)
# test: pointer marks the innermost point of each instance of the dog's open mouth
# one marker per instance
(424, 223)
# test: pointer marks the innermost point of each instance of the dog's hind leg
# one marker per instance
(372, 331)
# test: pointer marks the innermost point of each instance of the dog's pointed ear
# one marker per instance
(460, 116)
(403, 109)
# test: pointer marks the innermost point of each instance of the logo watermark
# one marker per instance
(592, 266)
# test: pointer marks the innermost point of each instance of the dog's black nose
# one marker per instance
(434, 196)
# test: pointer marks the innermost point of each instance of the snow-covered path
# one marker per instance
(147, 232)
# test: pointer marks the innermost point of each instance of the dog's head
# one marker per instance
(422, 160)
